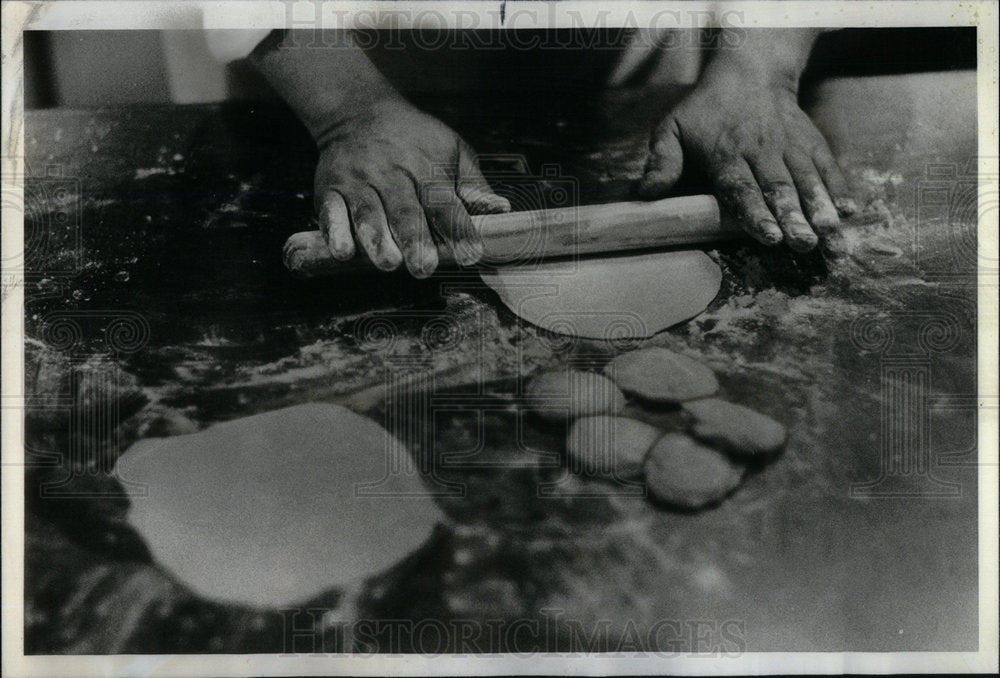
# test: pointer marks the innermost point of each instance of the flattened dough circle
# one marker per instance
(275, 508)
(612, 297)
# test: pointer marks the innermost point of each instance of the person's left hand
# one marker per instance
(769, 166)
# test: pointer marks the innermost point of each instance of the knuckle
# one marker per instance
(817, 194)
(363, 215)
(731, 179)
(407, 239)
(358, 174)
(353, 199)
(742, 194)
(780, 191)
(778, 186)
(403, 216)
(790, 214)
(818, 149)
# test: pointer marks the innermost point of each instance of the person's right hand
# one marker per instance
(395, 182)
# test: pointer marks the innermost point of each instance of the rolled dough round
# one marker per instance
(684, 473)
(611, 297)
(660, 375)
(563, 395)
(610, 445)
(734, 428)
(276, 508)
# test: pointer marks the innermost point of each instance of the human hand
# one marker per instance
(390, 179)
(768, 164)
(394, 181)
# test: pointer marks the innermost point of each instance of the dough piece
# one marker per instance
(611, 297)
(559, 394)
(734, 428)
(663, 376)
(612, 446)
(684, 473)
(269, 510)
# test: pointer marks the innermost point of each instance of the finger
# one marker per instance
(665, 162)
(450, 221)
(370, 227)
(835, 182)
(335, 225)
(780, 195)
(740, 196)
(408, 226)
(473, 189)
(816, 202)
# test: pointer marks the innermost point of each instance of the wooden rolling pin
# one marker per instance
(529, 236)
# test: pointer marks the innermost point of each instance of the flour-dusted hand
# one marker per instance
(743, 128)
(390, 180)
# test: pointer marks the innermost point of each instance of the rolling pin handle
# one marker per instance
(561, 232)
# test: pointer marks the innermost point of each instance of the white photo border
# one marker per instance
(152, 14)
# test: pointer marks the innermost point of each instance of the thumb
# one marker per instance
(665, 162)
(472, 187)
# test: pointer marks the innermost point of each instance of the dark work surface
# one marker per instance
(153, 241)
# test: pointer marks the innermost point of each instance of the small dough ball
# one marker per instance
(559, 394)
(684, 473)
(734, 428)
(661, 375)
(610, 445)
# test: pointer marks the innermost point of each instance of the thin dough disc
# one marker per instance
(611, 297)
(268, 510)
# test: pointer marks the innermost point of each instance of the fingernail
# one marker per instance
(769, 232)
(845, 206)
(420, 273)
(389, 258)
(803, 242)
(342, 249)
(826, 217)
(425, 261)
(498, 204)
(429, 261)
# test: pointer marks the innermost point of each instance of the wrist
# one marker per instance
(327, 84)
(342, 118)
(766, 58)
